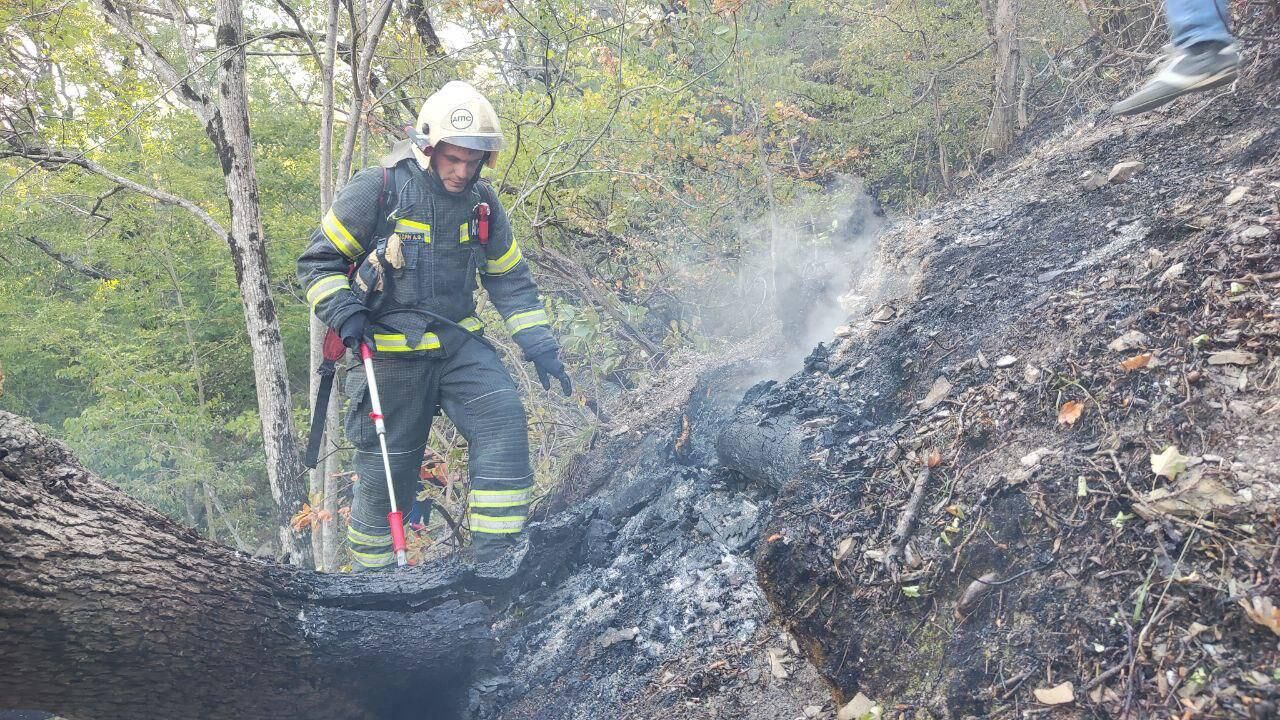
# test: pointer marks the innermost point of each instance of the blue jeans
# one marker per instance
(1196, 21)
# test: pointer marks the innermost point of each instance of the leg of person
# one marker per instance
(1204, 56)
(408, 390)
(479, 396)
(1197, 21)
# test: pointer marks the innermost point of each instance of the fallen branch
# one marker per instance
(902, 533)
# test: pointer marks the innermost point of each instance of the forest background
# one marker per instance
(663, 161)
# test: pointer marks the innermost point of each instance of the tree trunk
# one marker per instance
(109, 610)
(1002, 25)
(230, 135)
(324, 533)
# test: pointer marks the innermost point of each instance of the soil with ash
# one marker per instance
(953, 510)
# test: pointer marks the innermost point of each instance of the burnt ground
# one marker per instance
(953, 509)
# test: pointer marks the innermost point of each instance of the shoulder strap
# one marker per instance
(487, 193)
(388, 198)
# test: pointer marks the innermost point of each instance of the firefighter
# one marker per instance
(419, 229)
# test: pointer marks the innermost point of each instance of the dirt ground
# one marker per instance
(1041, 478)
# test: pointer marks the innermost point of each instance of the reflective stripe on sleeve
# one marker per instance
(527, 319)
(497, 525)
(504, 264)
(500, 498)
(324, 287)
(338, 235)
(472, 324)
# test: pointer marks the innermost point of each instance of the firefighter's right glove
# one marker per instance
(354, 329)
(548, 365)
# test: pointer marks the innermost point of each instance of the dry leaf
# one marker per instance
(843, 550)
(1173, 273)
(1056, 695)
(1136, 362)
(975, 594)
(1263, 611)
(940, 389)
(934, 459)
(775, 663)
(1193, 495)
(1236, 195)
(1070, 412)
(1128, 341)
(774, 537)
(860, 706)
(1169, 463)
(1005, 361)
(1232, 357)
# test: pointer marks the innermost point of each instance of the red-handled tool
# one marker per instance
(395, 518)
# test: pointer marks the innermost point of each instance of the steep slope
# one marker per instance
(953, 507)
(972, 513)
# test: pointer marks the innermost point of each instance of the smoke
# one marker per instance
(810, 266)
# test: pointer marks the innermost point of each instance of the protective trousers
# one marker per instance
(478, 395)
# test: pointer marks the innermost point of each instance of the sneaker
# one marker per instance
(1199, 67)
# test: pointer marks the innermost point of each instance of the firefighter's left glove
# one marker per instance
(548, 365)
(354, 329)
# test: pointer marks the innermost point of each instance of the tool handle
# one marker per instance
(398, 545)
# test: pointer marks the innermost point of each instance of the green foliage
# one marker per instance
(645, 140)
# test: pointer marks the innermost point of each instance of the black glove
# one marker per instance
(354, 329)
(549, 365)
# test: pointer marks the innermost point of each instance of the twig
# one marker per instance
(902, 532)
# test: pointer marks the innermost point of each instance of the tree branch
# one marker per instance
(70, 261)
(190, 90)
(46, 158)
(422, 23)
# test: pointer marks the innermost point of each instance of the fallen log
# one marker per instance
(766, 450)
(109, 609)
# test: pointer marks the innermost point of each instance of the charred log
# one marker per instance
(111, 610)
(764, 449)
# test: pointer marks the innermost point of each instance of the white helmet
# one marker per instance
(459, 115)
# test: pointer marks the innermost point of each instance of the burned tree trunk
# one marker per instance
(110, 610)
(766, 450)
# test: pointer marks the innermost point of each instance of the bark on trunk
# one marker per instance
(110, 610)
(230, 135)
(1002, 25)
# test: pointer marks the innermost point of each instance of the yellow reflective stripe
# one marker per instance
(396, 342)
(500, 498)
(471, 323)
(324, 287)
(373, 560)
(464, 233)
(496, 524)
(525, 320)
(414, 227)
(509, 259)
(360, 538)
(338, 235)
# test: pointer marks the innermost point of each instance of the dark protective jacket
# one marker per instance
(439, 266)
